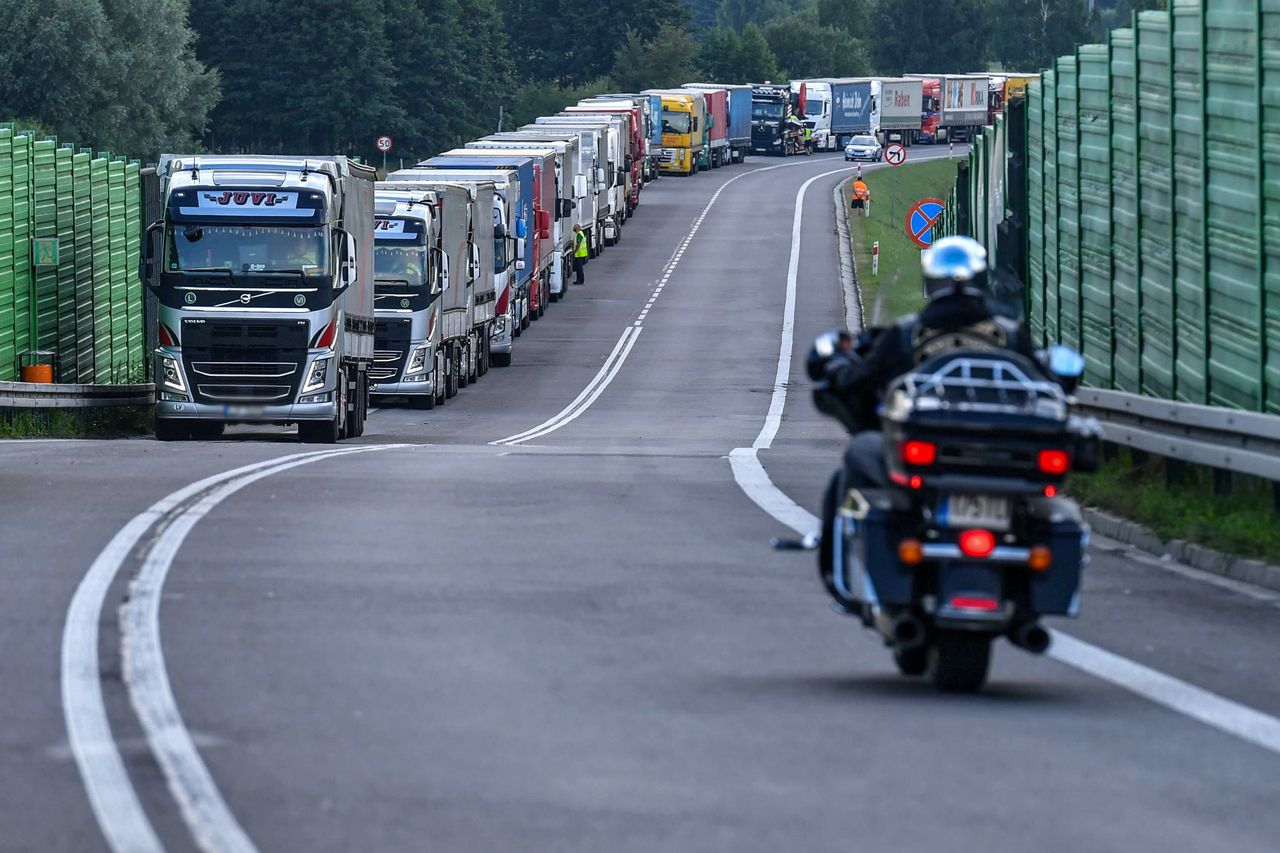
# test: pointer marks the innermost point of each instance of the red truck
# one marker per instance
(635, 145)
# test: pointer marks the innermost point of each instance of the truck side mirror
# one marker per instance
(522, 229)
(146, 264)
(349, 261)
(520, 250)
(580, 186)
(474, 270)
(601, 177)
(567, 206)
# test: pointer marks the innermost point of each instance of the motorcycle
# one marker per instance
(971, 539)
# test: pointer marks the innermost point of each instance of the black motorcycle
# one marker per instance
(971, 539)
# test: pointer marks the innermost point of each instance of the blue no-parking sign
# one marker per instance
(921, 219)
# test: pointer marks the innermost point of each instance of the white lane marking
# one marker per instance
(1197, 703)
(611, 368)
(207, 815)
(112, 798)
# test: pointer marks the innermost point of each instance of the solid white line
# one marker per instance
(779, 400)
(586, 392)
(207, 816)
(1222, 714)
(111, 795)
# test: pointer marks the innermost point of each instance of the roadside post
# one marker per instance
(384, 145)
(894, 155)
(875, 258)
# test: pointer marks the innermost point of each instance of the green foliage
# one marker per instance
(852, 16)
(805, 48)
(1027, 35)
(570, 43)
(547, 99)
(1242, 522)
(737, 14)
(665, 61)
(114, 74)
(115, 422)
(727, 57)
(924, 35)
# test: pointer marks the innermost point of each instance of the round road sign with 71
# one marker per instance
(895, 155)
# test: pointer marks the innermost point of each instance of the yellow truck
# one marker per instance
(683, 120)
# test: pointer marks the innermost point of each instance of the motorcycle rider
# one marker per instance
(957, 316)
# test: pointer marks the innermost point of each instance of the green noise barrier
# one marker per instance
(1152, 220)
(82, 302)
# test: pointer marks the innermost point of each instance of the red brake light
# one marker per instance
(1054, 461)
(325, 339)
(1050, 491)
(165, 337)
(917, 481)
(977, 543)
(919, 452)
(974, 602)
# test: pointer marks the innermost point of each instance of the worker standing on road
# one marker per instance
(579, 253)
(808, 139)
(861, 196)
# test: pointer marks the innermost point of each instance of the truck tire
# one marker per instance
(473, 358)
(170, 429)
(439, 379)
(451, 373)
(464, 365)
(362, 404)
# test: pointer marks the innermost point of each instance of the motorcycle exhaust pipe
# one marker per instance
(906, 632)
(1032, 637)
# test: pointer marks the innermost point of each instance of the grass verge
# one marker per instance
(896, 290)
(1242, 522)
(113, 422)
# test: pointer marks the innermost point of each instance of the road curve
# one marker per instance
(581, 640)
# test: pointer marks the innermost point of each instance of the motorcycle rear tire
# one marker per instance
(959, 660)
(912, 661)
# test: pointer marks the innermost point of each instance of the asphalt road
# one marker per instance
(582, 641)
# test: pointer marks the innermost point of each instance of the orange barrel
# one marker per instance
(37, 373)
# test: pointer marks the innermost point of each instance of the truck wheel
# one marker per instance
(958, 661)
(451, 373)
(362, 404)
(169, 429)
(473, 359)
(464, 365)
(439, 378)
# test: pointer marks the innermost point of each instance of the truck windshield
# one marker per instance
(766, 110)
(675, 122)
(248, 249)
(814, 107)
(396, 267)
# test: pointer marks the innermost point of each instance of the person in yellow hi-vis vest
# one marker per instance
(579, 253)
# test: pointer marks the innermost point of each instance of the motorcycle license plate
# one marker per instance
(991, 512)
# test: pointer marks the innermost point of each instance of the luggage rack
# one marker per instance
(981, 384)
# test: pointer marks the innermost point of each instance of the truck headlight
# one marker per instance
(777, 142)
(316, 375)
(171, 374)
(418, 359)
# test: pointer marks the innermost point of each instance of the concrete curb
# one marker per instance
(853, 313)
(1197, 556)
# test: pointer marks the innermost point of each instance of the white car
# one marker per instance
(864, 148)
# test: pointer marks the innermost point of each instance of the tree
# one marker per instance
(115, 75)
(666, 61)
(726, 56)
(1027, 35)
(806, 49)
(924, 35)
(852, 16)
(737, 14)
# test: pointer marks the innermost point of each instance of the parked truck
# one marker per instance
(604, 183)
(266, 294)
(514, 260)
(593, 207)
(411, 272)
(634, 160)
(683, 116)
(739, 120)
(776, 123)
(817, 113)
(953, 107)
(567, 187)
(716, 138)
(649, 110)
(851, 109)
(896, 109)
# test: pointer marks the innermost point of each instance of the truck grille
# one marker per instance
(250, 361)
(387, 365)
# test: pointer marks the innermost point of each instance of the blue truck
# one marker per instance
(739, 117)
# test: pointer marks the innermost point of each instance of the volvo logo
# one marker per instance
(299, 300)
(404, 303)
(244, 298)
(190, 299)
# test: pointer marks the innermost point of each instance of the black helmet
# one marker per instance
(825, 347)
(955, 266)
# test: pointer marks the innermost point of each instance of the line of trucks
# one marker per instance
(295, 290)
(912, 109)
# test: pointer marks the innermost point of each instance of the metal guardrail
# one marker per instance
(1232, 440)
(36, 395)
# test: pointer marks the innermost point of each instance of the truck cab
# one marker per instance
(683, 121)
(266, 294)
